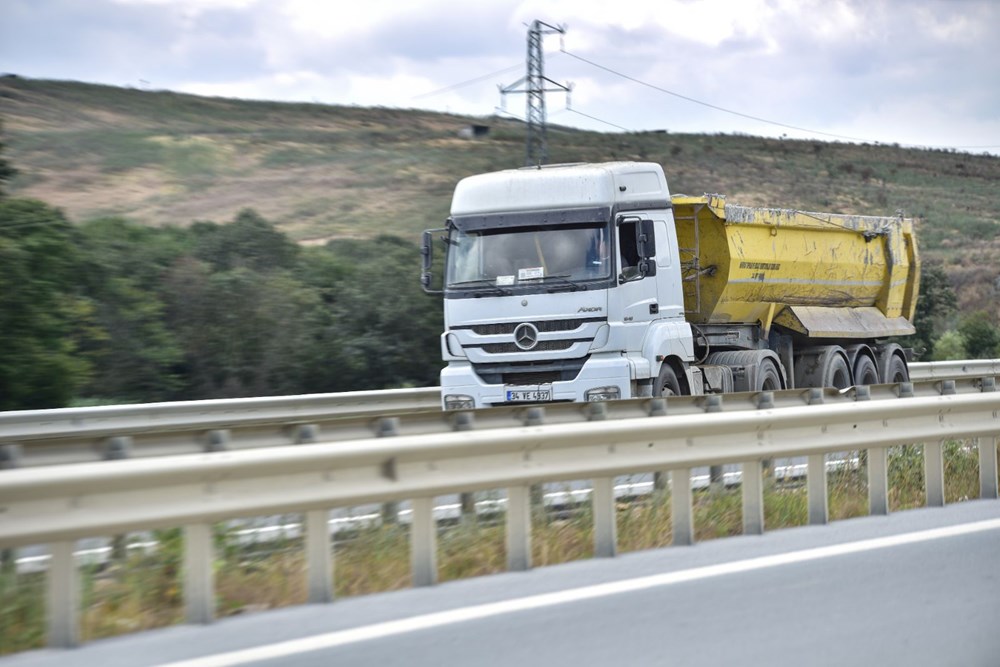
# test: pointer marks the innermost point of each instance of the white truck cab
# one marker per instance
(562, 283)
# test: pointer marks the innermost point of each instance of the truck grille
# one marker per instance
(543, 346)
(501, 328)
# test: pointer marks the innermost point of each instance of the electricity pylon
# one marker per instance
(536, 146)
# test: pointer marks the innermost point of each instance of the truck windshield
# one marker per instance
(515, 256)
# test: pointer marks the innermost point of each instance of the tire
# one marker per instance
(823, 366)
(896, 370)
(838, 373)
(667, 383)
(768, 374)
(865, 371)
(768, 377)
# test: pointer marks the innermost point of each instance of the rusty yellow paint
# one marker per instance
(821, 274)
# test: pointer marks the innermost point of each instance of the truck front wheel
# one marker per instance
(667, 383)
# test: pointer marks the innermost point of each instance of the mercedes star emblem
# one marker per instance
(526, 336)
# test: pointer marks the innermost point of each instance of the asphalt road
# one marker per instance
(915, 588)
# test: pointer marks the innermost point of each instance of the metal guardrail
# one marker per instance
(59, 504)
(950, 370)
(77, 435)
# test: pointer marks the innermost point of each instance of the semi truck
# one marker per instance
(590, 282)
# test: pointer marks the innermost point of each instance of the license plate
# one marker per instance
(532, 394)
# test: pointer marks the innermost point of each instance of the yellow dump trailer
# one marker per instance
(819, 275)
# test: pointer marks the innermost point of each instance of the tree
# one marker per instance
(44, 316)
(388, 329)
(248, 241)
(935, 309)
(950, 346)
(981, 337)
(136, 357)
(7, 171)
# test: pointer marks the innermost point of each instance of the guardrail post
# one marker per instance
(423, 543)
(216, 440)
(605, 526)
(878, 481)
(535, 416)
(681, 507)
(934, 473)
(753, 497)
(388, 427)
(63, 597)
(11, 454)
(519, 528)
(465, 421)
(816, 487)
(199, 584)
(988, 467)
(657, 407)
(319, 556)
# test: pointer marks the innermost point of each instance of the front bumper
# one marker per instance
(458, 379)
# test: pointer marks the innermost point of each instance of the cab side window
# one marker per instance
(627, 248)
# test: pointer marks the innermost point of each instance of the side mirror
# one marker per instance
(427, 262)
(646, 240)
(427, 249)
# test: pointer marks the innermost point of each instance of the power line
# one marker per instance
(709, 105)
(599, 120)
(469, 82)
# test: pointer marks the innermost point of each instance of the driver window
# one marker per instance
(627, 245)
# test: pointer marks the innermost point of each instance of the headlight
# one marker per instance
(459, 402)
(603, 394)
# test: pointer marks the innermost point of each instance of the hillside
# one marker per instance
(320, 172)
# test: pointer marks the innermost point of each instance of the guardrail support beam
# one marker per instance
(199, 580)
(605, 525)
(681, 507)
(519, 528)
(63, 597)
(423, 543)
(753, 498)
(988, 467)
(319, 556)
(878, 481)
(934, 473)
(816, 485)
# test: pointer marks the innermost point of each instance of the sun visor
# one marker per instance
(572, 216)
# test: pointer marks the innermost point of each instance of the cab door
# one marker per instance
(634, 301)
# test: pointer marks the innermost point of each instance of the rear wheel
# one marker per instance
(824, 366)
(865, 371)
(838, 373)
(896, 371)
(768, 378)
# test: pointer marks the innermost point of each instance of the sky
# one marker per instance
(913, 72)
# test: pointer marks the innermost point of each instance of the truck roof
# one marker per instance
(611, 184)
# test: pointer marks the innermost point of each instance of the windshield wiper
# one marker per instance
(566, 282)
(483, 284)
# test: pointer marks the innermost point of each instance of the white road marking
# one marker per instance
(438, 619)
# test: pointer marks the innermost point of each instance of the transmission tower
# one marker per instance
(536, 146)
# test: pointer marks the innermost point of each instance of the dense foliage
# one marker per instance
(114, 311)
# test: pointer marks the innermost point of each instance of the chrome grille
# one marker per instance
(502, 328)
(543, 346)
